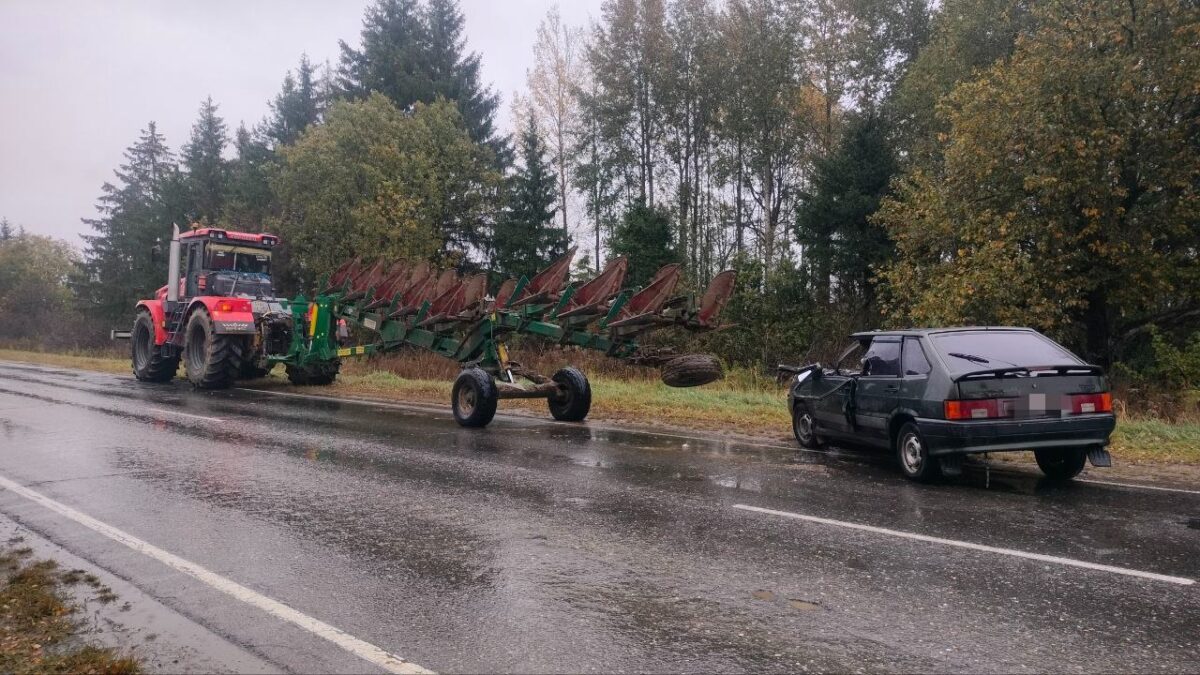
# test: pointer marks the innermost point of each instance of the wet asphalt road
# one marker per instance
(535, 546)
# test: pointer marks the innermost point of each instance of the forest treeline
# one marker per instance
(863, 163)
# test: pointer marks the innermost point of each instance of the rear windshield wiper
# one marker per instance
(968, 357)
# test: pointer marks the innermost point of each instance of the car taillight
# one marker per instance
(1082, 404)
(978, 409)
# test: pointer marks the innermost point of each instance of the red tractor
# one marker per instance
(218, 312)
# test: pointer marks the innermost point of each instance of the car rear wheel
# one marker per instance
(1061, 463)
(804, 427)
(913, 455)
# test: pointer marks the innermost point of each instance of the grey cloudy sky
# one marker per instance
(79, 79)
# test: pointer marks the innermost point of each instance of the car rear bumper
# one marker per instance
(946, 437)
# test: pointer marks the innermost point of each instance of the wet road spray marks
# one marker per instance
(1182, 581)
(364, 650)
(183, 414)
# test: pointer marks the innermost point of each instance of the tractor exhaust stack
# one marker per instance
(173, 266)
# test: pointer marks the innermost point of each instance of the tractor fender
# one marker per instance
(155, 307)
(230, 316)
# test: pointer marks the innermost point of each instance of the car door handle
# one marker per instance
(891, 389)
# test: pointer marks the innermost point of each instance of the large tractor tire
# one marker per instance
(212, 361)
(575, 396)
(474, 398)
(314, 374)
(691, 370)
(149, 364)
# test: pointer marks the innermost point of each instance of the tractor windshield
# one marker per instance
(227, 258)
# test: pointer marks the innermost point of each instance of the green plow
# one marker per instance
(410, 305)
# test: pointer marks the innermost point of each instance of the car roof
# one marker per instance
(919, 332)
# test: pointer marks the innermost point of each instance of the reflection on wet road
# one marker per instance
(532, 546)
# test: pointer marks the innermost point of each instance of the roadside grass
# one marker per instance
(744, 403)
(1152, 440)
(38, 631)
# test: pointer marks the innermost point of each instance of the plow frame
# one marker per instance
(597, 315)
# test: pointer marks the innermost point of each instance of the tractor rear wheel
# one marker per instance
(474, 398)
(319, 374)
(149, 364)
(213, 361)
(574, 398)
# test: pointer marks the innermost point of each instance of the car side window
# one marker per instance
(915, 362)
(882, 359)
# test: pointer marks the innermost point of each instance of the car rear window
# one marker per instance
(983, 350)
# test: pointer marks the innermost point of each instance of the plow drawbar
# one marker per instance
(405, 305)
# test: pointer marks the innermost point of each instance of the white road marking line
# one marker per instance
(364, 650)
(183, 414)
(1182, 581)
(1136, 486)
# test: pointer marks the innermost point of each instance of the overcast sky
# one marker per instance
(79, 79)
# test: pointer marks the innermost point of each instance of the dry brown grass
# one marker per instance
(37, 621)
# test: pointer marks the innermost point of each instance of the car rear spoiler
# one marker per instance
(1031, 371)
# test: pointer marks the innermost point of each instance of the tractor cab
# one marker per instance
(218, 262)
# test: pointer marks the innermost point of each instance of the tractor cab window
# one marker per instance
(225, 258)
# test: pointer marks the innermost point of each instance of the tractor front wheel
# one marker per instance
(149, 364)
(213, 361)
(574, 398)
(474, 398)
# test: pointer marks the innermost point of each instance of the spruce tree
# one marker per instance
(249, 195)
(207, 171)
(297, 105)
(526, 237)
(833, 220)
(6, 231)
(125, 259)
(411, 54)
(644, 236)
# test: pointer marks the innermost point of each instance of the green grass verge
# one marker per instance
(728, 406)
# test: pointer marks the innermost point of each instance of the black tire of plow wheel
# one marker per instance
(212, 361)
(575, 396)
(314, 374)
(691, 370)
(149, 364)
(474, 398)
(252, 372)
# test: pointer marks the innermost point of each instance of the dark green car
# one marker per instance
(934, 395)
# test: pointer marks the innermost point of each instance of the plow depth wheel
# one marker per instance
(213, 361)
(574, 399)
(319, 374)
(691, 370)
(149, 365)
(474, 398)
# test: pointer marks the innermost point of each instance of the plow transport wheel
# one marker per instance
(474, 398)
(319, 374)
(149, 365)
(691, 370)
(212, 361)
(575, 398)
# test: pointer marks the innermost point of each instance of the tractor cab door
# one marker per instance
(193, 264)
